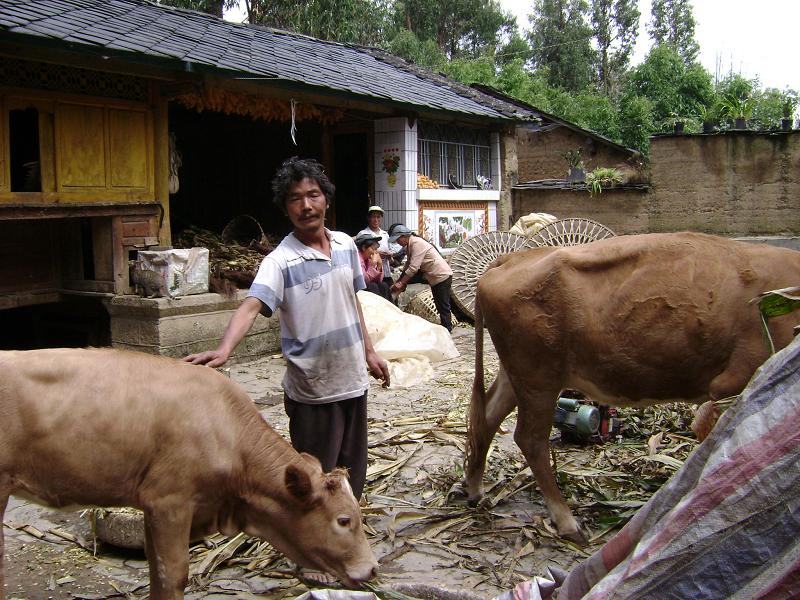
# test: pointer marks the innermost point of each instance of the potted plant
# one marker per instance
(739, 109)
(708, 116)
(602, 177)
(576, 173)
(787, 108)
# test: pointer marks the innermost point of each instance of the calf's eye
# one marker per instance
(343, 521)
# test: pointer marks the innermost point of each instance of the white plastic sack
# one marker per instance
(531, 224)
(173, 273)
(408, 342)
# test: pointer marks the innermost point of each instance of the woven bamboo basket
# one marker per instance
(472, 258)
(423, 306)
(243, 230)
(571, 232)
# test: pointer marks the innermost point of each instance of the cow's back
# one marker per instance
(631, 318)
(97, 422)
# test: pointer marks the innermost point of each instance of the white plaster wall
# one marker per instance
(399, 202)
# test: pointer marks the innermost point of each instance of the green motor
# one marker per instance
(577, 419)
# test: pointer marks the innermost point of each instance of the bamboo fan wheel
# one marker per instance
(423, 306)
(471, 259)
(571, 232)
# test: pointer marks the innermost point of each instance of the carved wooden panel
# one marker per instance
(128, 155)
(80, 133)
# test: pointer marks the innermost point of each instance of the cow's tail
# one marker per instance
(477, 407)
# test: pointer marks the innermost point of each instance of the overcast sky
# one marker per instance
(752, 38)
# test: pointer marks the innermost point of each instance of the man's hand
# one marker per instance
(378, 367)
(211, 358)
(397, 288)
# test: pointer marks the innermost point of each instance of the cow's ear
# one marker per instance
(298, 483)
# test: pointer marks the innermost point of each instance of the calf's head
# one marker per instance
(315, 520)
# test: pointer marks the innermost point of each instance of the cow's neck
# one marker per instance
(267, 456)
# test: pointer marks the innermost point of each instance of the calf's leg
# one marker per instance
(532, 435)
(500, 401)
(167, 530)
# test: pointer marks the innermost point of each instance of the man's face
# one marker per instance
(306, 205)
(374, 219)
(403, 240)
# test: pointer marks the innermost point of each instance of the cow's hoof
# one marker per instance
(576, 537)
(474, 501)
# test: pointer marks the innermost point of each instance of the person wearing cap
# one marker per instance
(313, 277)
(422, 258)
(385, 249)
(372, 265)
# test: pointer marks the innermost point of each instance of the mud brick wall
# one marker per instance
(622, 211)
(742, 183)
(733, 184)
(539, 153)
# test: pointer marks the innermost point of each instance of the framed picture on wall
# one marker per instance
(447, 226)
(453, 228)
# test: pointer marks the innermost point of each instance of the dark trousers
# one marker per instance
(441, 299)
(335, 433)
(380, 288)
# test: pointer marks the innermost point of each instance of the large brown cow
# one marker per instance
(181, 442)
(630, 321)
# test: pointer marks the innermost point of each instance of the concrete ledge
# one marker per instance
(180, 326)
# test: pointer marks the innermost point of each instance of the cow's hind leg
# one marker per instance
(532, 435)
(499, 404)
(166, 533)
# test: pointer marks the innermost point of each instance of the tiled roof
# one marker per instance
(132, 28)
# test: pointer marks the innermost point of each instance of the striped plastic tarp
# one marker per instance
(727, 524)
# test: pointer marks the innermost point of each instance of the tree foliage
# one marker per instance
(462, 29)
(672, 23)
(674, 89)
(354, 21)
(615, 24)
(560, 38)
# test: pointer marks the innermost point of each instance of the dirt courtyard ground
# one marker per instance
(419, 525)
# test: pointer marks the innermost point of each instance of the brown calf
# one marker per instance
(181, 442)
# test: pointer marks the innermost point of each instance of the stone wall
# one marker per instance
(180, 326)
(732, 184)
(539, 153)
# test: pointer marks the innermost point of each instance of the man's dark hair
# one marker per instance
(294, 170)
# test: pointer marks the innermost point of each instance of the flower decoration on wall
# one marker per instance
(391, 163)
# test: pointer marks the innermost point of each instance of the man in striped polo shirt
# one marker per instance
(313, 276)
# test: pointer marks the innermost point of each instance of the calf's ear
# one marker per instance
(298, 482)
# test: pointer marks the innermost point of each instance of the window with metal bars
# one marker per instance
(454, 155)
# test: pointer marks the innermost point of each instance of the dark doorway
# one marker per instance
(228, 163)
(75, 322)
(351, 176)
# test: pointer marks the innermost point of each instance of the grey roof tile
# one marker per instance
(160, 31)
